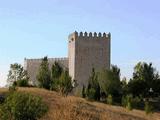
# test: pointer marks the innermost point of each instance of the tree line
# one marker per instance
(105, 85)
(56, 79)
(138, 92)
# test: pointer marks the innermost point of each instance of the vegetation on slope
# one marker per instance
(141, 92)
(21, 106)
(74, 108)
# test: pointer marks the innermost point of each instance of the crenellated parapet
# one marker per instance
(88, 50)
(84, 35)
(49, 59)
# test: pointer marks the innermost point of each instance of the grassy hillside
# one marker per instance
(74, 108)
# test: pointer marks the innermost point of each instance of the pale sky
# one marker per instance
(36, 28)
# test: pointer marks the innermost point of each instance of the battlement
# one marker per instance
(49, 59)
(89, 35)
(85, 52)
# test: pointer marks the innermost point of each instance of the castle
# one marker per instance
(85, 51)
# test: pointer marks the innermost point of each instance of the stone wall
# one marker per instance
(32, 66)
(87, 51)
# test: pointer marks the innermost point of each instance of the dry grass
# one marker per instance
(74, 108)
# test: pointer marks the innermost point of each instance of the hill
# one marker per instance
(75, 108)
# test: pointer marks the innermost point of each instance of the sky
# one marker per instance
(36, 28)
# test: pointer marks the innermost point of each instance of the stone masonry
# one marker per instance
(32, 66)
(85, 51)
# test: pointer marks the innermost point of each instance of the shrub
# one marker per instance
(64, 84)
(22, 83)
(124, 101)
(136, 102)
(93, 87)
(109, 99)
(129, 105)
(148, 108)
(91, 94)
(43, 75)
(2, 98)
(54, 85)
(22, 106)
(127, 101)
(12, 88)
(130, 102)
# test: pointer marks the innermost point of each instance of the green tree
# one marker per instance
(64, 85)
(145, 78)
(44, 76)
(110, 82)
(156, 87)
(17, 75)
(137, 87)
(93, 89)
(56, 72)
(124, 86)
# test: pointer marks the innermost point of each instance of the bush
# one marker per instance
(12, 88)
(91, 94)
(136, 102)
(127, 101)
(148, 108)
(109, 100)
(129, 105)
(22, 106)
(2, 98)
(54, 85)
(130, 102)
(93, 88)
(64, 84)
(43, 76)
(124, 101)
(22, 83)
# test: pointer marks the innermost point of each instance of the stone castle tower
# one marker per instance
(88, 51)
(85, 52)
